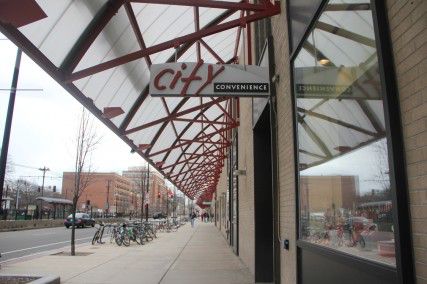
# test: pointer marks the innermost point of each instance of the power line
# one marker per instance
(22, 90)
(51, 177)
(33, 168)
(24, 166)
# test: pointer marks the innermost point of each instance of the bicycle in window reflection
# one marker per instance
(359, 228)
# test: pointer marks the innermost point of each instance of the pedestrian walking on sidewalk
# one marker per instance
(193, 217)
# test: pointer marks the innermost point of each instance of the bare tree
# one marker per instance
(10, 170)
(86, 142)
(381, 170)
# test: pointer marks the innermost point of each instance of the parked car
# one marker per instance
(82, 220)
(159, 215)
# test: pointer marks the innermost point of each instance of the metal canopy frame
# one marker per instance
(199, 129)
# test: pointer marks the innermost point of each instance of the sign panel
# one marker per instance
(337, 83)
(210, 80)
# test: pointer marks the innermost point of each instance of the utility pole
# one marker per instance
(44, 170)
(8, 125)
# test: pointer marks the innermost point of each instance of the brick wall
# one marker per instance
(285, 147)
(408, 26)
(246, 187)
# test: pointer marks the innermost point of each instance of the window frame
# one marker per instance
(396, 155)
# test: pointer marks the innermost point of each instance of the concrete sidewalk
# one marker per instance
(199, 255)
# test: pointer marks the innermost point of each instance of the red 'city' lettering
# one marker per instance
(191, 78)
(177, 76)
(187, 80)
(157, 79)
(211, 76)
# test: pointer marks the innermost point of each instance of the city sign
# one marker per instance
(209, 80)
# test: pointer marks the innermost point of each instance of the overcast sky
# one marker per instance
(44, 125)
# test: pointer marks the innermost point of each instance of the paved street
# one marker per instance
(23, 243)
(190, 255)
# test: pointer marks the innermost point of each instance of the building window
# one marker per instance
(344, 184)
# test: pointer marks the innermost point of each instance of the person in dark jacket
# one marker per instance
(193, 217)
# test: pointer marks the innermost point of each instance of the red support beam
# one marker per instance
(181, 50)
(224, 138)
(180, 162)
(193, 156)
(191, 169)
(238, 35)
(206, 142)
(196, 29)
(217, 132)
(184, 131)
(205, 154)
(189, 142)
(249, 41)
(203, 177)
(173, 116)
(207, 4)
(202, 121)
(211, 51)
(269, 10)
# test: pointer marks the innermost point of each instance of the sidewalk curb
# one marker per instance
(47, 279)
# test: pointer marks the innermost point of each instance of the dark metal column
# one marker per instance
(147, 194)
(8, 126)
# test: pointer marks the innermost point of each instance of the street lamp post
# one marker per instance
(8, 126)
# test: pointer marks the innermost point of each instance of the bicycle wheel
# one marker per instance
(126, 239)
(140, 236)
(118, 238)
(148, 236)
(154, 232)
(95, 237)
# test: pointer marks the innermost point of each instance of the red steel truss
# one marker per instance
(197, 167)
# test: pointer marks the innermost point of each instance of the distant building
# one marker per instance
(157, 191)
(319, 193)
(106, 193)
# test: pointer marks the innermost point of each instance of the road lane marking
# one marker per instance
(51, 244)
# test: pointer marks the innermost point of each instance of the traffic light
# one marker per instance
(54, 188)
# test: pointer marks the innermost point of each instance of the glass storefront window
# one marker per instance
(344, 186)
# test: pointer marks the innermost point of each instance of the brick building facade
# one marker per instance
(107, 193)
(157, 191)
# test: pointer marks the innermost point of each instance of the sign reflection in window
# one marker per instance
(344, 192)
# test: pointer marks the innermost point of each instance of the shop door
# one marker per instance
(263, 190)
